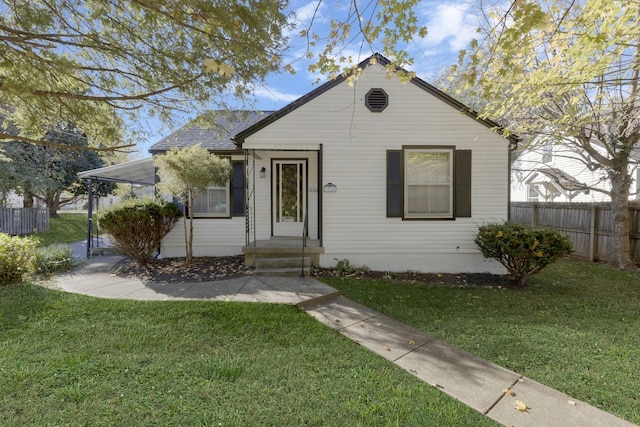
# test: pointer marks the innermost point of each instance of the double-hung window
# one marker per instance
(225, 201)
(213, 202)
(428, 183)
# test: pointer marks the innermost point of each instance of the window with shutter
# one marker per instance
(429, 183)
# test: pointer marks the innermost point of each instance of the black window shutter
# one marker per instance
(394, 183)
(237, 188)
(180, 205)
(463, 184)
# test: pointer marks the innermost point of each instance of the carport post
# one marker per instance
(89, 216)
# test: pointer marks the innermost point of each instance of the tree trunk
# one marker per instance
(186, 235)
(620, 255)
(190, 253)
(52, 201)
(27, 199)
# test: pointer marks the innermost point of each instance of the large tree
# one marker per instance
(567, 71)
(48, 173)
(101, 63)
(93, 62)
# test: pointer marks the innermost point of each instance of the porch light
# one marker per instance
(263, 172)
(330, 187)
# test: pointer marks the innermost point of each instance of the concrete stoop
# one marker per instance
(289, 266)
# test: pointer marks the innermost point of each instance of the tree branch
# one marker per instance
(6, 137)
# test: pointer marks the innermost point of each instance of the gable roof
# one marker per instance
(215, 138)
(376, 58)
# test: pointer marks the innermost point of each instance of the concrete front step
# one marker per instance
(281, 271)
(276, 248)
(283, 262)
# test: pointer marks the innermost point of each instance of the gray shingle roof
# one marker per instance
(216, 137)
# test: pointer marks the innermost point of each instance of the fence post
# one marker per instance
(593, 234)
(534, 215)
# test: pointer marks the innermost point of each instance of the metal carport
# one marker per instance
(141, 172)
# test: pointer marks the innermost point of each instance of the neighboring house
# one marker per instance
(395, 176)
(11, 200)
(562, 173)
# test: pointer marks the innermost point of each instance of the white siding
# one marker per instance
(355, 142)
(211, 236)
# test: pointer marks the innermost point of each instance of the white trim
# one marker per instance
(280, 146)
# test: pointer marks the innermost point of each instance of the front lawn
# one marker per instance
(576, 327)
(65, 228)
(73, 360)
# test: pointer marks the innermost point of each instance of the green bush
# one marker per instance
(137, 226)
(523, 250)
(344, 268)
(53, 259)
(16, 254)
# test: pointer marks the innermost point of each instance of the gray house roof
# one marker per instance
(217, 137)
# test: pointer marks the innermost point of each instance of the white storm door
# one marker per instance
(289, 197)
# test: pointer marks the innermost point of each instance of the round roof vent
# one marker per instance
(376, 100)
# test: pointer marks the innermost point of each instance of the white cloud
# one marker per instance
(304, 14)
(272, 94)
(451, 26)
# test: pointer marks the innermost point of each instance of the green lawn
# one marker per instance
(73, 360)
(576, 327)
(65, 228)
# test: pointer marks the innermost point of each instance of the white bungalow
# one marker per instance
(395, 176)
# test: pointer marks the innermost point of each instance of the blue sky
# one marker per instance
(451, 26)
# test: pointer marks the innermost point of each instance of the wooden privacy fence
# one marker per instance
(587, 225)
(21, 221)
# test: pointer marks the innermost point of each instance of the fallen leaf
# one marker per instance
(571, 402)
(509, 392)
(521, 406)
(411, 342)
(387, 348)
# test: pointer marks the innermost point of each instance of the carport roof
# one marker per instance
(136, 172)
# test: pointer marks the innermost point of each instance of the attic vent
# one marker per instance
(376, 100)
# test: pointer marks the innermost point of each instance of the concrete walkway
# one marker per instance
(469, 379)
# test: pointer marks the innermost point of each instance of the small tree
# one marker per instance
(523, 250)
(137, 226)
(187, 173)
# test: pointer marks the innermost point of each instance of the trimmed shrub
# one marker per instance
(53, 259)
(523, 250)
(137, 226)
(16, 254)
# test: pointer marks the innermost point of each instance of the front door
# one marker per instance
(289, 197)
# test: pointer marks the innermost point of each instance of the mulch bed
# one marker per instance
(201, 269)
(427, 279)
(207, 269)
